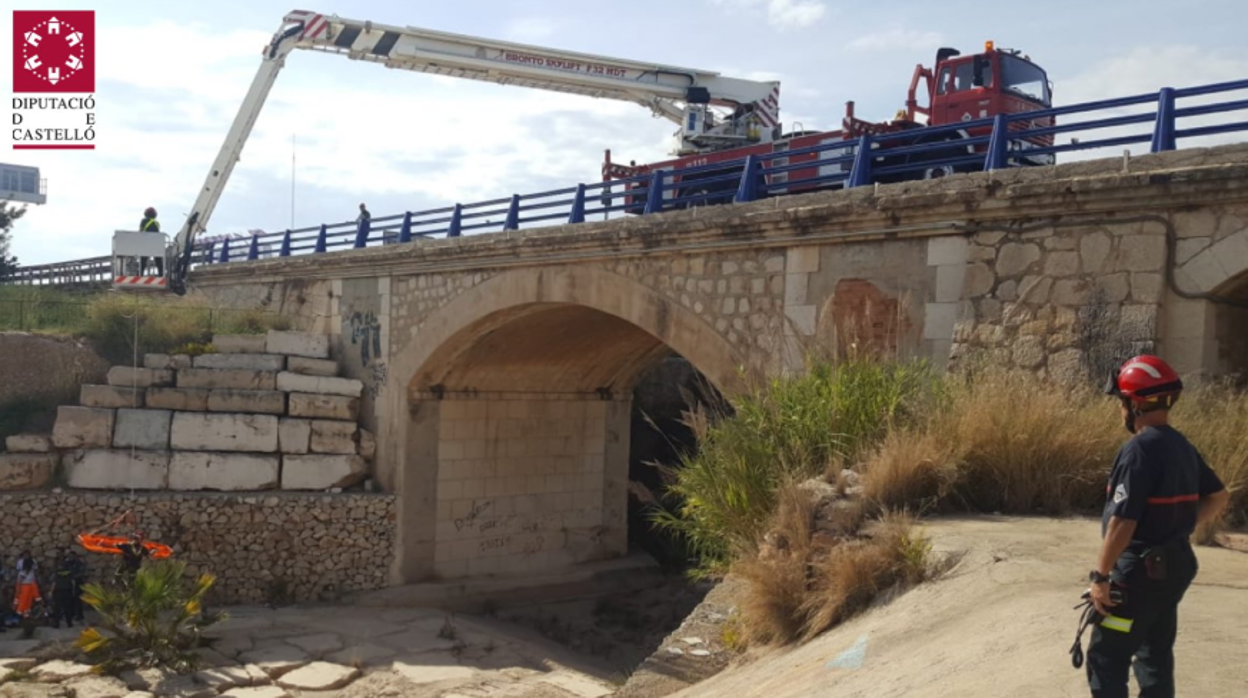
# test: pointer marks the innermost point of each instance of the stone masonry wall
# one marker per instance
(523, 486)
(308, 547)
(740, 293)
(1063, 302)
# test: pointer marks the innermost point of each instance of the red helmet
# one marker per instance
(150, 212)
(1145, 379)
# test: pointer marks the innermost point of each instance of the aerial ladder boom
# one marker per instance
(669, 91)
(210, 193)
(683, 95)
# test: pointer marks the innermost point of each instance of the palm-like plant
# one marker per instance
(157, 620)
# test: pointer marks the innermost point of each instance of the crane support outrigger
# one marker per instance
(713, 112)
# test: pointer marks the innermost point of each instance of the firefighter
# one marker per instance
(132, 555)
(65, 588)
(26, 587)
(1160, 490)
(149, 224)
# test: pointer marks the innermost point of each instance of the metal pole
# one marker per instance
(292, 180)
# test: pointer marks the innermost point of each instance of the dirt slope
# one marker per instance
(998, 624)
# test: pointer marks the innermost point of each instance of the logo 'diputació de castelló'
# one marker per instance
(54, 52)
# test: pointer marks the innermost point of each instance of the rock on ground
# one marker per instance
(431, 667)
(59, 670)
(32, 690)
(161, 682)
(319, 676)
(257, 692)
(225, 677)
(97, 687)
(276, 660)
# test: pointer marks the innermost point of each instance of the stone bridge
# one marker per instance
(499, 369)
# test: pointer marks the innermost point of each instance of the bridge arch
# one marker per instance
(1210, 336)
(515, 420)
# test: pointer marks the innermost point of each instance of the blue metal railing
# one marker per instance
(1161, 120)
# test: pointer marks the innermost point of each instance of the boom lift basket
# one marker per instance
(129, 249)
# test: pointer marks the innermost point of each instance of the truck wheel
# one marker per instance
(938, 172)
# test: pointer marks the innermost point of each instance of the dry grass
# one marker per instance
(1008, 442)
(1025, 447)
(1214, 417)
(1002, 442)
(113, 323)
(804, 583)
(912, 469)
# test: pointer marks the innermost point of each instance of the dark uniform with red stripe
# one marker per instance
(1157, 481)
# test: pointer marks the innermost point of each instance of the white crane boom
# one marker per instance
(683, 95)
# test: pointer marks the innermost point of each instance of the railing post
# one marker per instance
(210, 249)
(654, 197)
(747, 190)
(405, 230)
(253, 251)
(285, 251)
(457, 222)
(1163, 130)
(577, 215)
(860, 175)
(513, 214)
(998, 145)
(320, 241)
(361, 234)
(225, 251)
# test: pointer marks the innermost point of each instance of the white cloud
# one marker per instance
(895, 38)
(782, 14)
(794, 13)
(1145, 71)
(531, 30)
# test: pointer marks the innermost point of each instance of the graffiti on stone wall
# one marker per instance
(508, 533)
(366, 335)
(467, 521)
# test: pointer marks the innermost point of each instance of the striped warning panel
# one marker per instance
(140, 281)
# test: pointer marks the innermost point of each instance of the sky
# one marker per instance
(171, 76)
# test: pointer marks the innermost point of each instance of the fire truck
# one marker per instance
(719, 118)
(956, 89)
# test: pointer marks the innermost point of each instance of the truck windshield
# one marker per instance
(1024, 79)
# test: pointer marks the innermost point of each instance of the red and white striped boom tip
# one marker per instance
(140, 281)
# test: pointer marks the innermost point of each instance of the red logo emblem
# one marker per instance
(53, 51)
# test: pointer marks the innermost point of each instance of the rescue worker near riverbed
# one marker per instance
(1160, 490)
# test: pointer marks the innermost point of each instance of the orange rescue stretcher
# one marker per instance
(112, 545)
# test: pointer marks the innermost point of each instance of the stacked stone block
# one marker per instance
(266, 412)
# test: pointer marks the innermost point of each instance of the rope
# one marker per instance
(111, 524)
(1086, 619)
